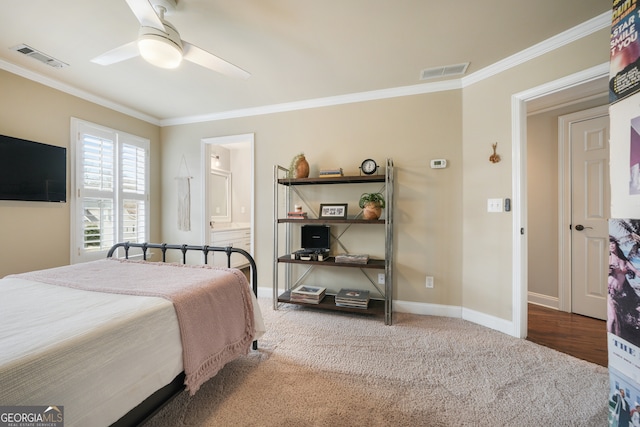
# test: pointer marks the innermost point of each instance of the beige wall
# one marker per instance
(35, 235)
(487, 237)
(542, 203)
(411, 130)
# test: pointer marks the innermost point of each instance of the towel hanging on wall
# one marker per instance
(184, 198)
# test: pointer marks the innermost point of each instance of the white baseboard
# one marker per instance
(491, 322)
(424, 309)
(544, 300)
(265, 292)
(427, 309)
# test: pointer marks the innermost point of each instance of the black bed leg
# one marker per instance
(255, 345)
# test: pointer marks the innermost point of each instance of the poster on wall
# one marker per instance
(623, 298)
(624, 71)
(624, 400)
(634, 157)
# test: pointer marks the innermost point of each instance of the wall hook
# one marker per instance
(495, 157)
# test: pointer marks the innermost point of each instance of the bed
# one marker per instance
(112, 340)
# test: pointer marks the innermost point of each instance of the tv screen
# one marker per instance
(32, 171)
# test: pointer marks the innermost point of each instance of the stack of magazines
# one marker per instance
(308, 294)
(352, 298)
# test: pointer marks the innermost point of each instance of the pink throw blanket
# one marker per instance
(213, 305)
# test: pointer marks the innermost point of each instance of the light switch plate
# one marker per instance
(494, 205)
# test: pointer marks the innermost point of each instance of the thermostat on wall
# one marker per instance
(438, 163)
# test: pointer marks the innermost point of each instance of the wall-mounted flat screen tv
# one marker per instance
(32, 171)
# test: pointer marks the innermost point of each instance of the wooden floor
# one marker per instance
(580, 336)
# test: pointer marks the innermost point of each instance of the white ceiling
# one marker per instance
(295, 50)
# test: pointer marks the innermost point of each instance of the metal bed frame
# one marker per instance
(150, 406)
(164, 247)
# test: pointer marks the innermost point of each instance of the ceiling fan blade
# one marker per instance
(205, 59)
(146, 14)
(118, 54)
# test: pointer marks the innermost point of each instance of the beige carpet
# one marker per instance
(316, 368)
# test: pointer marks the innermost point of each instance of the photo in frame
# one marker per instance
(333, 211)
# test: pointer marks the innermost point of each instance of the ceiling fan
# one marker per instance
(159, 42)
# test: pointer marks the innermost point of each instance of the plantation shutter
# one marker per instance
(134, 194)
(97, 192)
(111, 190)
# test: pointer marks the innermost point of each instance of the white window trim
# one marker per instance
(78, 254)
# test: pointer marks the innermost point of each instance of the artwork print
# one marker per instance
(624, 65)
(623, 300)
(634, 157)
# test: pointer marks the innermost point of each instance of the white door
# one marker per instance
(589, 216)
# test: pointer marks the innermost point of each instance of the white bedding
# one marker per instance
(48, 334)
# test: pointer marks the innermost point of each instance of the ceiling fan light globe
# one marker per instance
(159, 51)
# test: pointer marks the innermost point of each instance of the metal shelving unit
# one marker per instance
(380, 306)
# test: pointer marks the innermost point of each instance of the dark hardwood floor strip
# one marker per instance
(580, 336)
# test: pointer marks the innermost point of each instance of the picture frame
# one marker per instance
(333, 210)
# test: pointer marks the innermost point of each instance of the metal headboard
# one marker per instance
(164, 247)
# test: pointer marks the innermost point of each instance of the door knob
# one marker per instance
(581, 227)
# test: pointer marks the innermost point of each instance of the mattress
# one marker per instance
(48, 334)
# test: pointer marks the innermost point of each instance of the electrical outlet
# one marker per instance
(380, 278)
(429, 282)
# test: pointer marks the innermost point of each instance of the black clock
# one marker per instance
(369, 167)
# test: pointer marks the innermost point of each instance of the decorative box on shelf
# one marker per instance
(352, 258)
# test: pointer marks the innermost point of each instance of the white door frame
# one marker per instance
(206, 166)
(565, 281)
(519, 183)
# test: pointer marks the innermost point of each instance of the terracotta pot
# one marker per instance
(371, 211)
(301, 168)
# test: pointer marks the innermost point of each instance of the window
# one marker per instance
(110, 190)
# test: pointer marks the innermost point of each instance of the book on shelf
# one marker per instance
(330, 173)
(297, 215)
(352, 258)
(352, 298)
(308, 294)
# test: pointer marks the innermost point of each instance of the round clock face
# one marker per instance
(369, 166)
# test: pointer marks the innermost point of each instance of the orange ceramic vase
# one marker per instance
(301, 168)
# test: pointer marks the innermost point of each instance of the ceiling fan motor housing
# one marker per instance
(163, 49)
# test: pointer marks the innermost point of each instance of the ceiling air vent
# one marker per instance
(446, 71)
(35, 54)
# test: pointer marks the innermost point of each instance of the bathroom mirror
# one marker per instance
(220, 195)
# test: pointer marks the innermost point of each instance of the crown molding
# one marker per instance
(74, 91)
(319, 102)
(591, 26)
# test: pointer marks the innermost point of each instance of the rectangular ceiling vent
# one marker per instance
(35, 54)
(446, 71)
